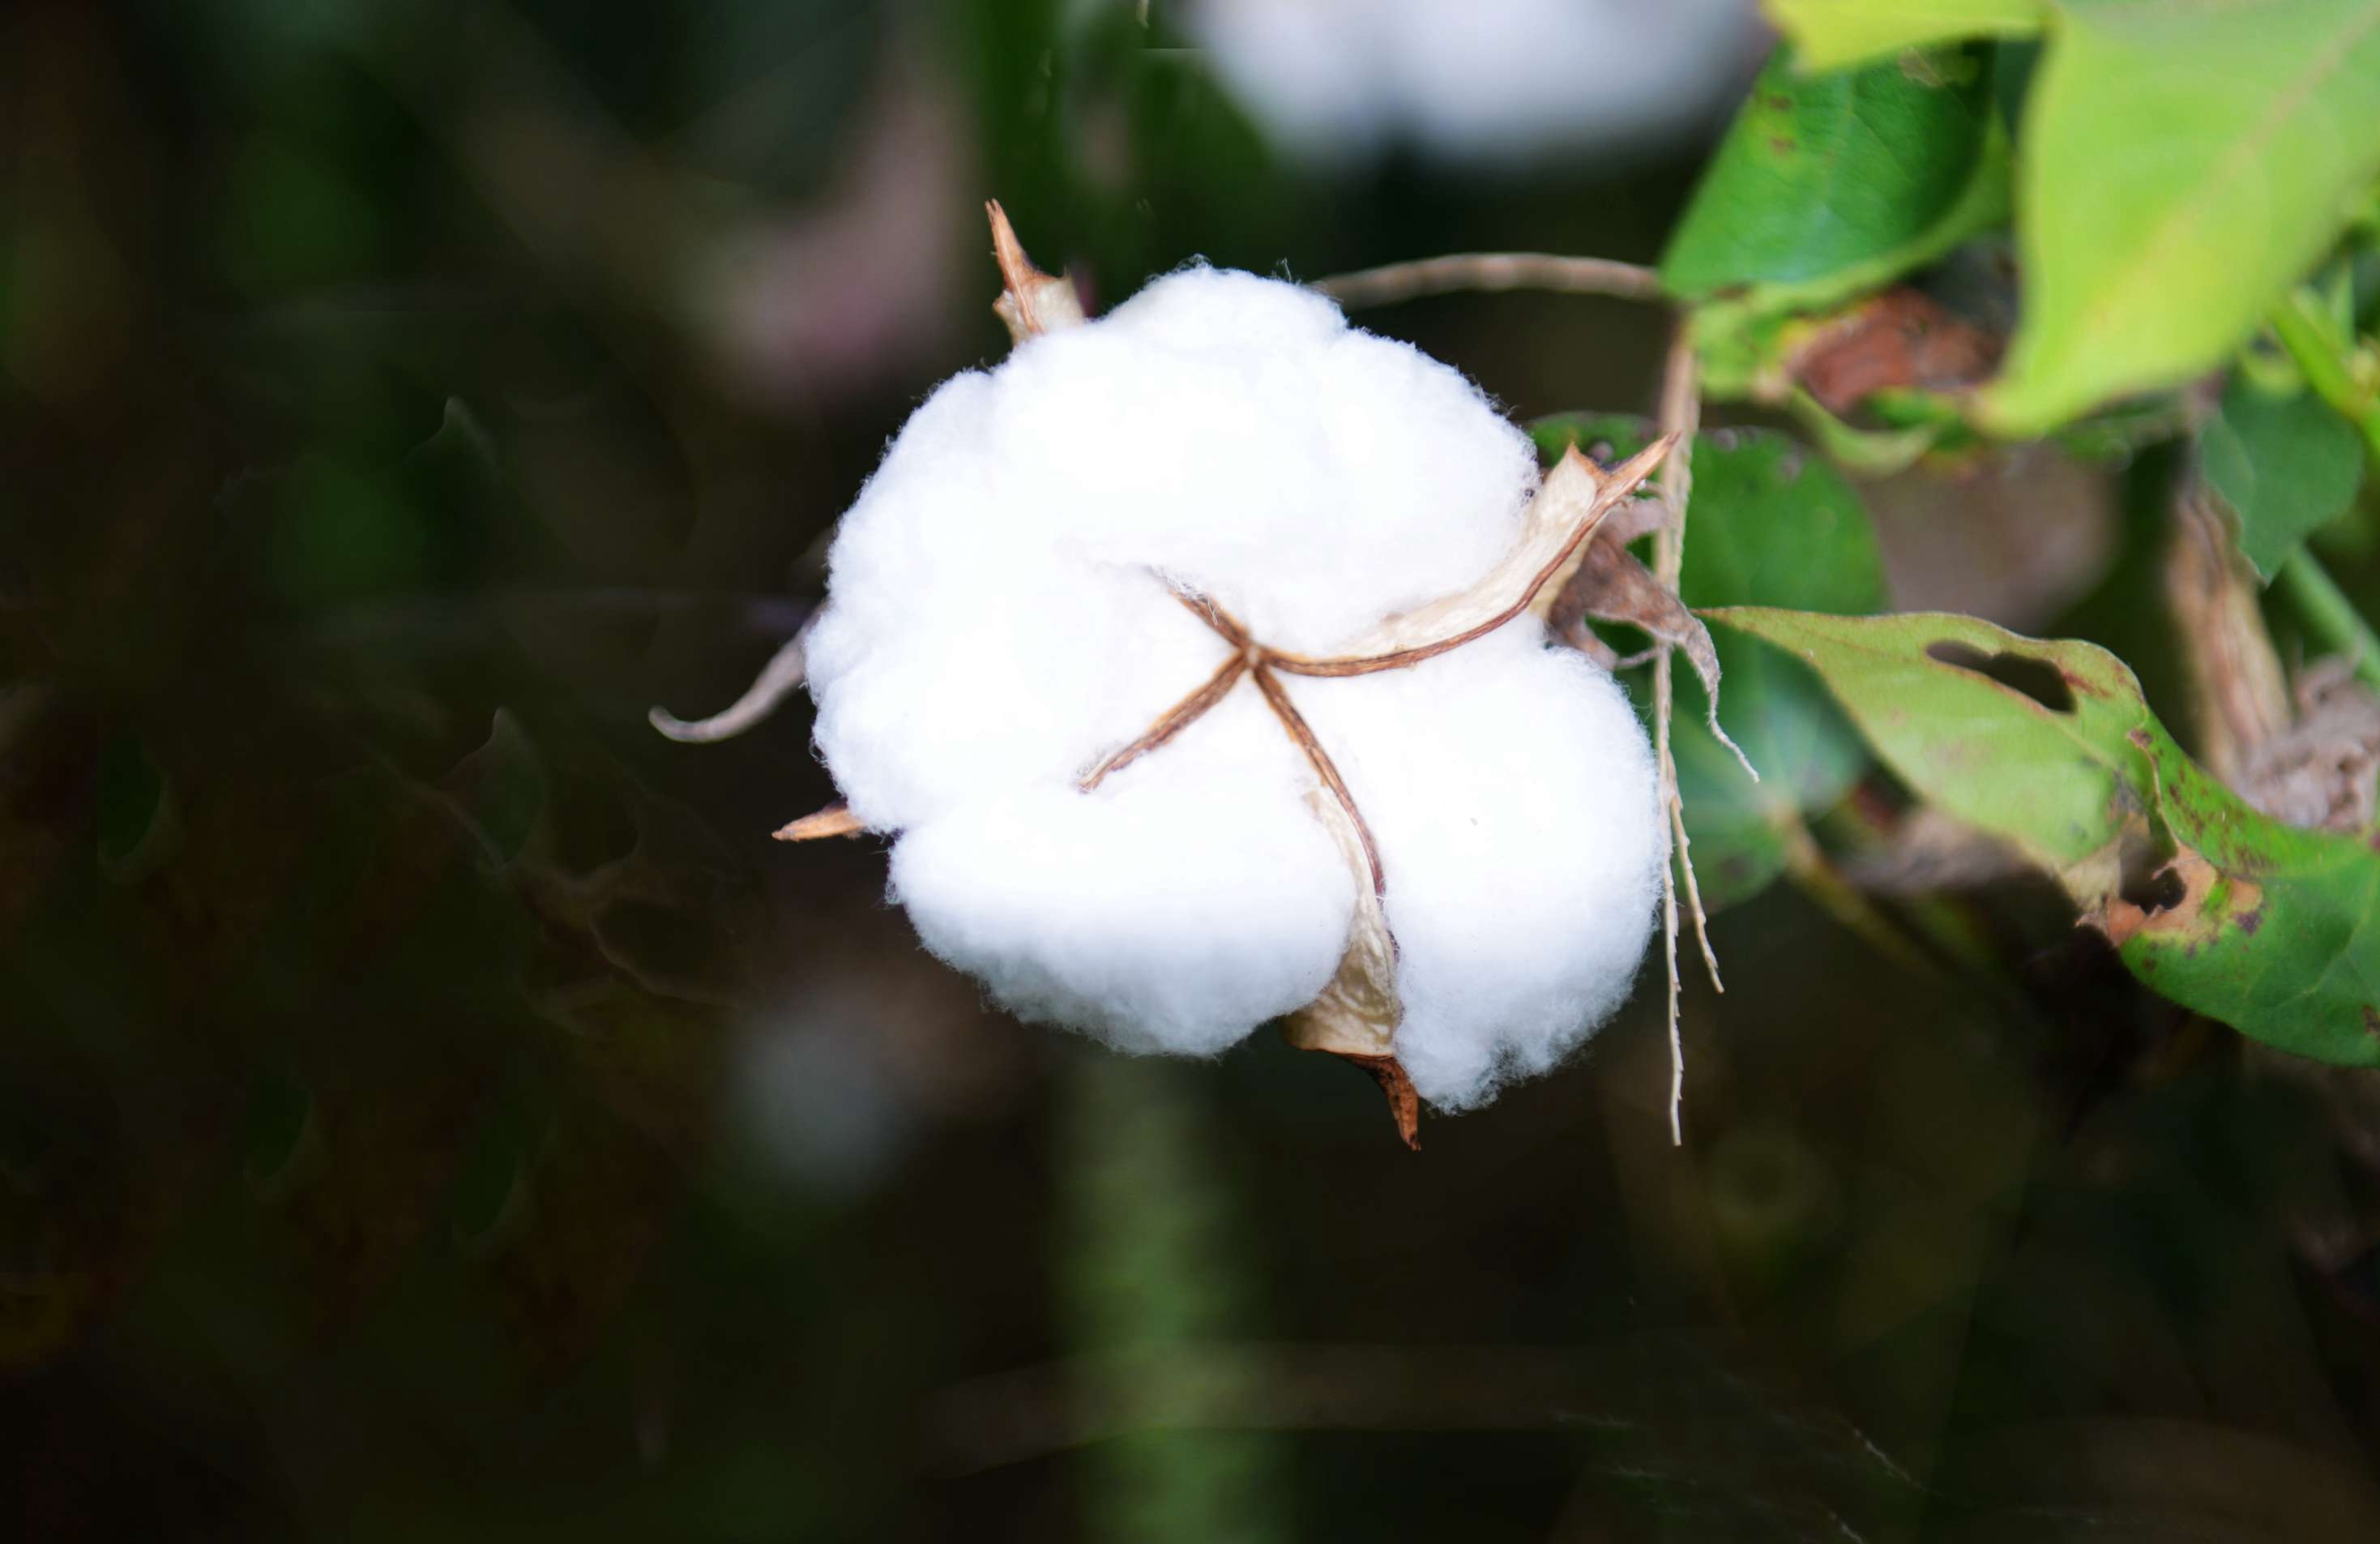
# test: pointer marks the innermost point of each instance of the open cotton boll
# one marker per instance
(1513, 798)
(1059, 622)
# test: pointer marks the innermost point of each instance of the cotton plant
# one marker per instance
(1214, 663)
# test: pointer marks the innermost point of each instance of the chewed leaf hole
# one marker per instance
(2041, 682)
(2146, 878)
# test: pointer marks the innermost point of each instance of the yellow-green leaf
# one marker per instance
(2051, 746)
(2177, 167)
(1831, 33)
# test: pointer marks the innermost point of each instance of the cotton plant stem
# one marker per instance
(2356, 401)
(2331, 615)
(1680, 413)
(1492, 272)
(2319, 599)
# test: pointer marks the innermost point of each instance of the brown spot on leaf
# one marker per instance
(2192, 918)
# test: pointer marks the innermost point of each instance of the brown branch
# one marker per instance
(1492, 272)
(1233, 631)
(1277, 696)
(1174, 720)
(1681, 415)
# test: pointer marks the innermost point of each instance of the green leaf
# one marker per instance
(2178, 165)
(2276, 932)
(2051, 771)
(2050, 746)
(1829, 185)
(1831, 33)
(2287, 465)
(1770, 523)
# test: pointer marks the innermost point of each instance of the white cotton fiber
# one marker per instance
(1175, 908)
(1000, 619)
(1513, 799)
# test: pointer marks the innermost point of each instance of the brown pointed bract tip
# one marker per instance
(835, 819)
(1031, 302)
(1016, 271)
(1404, 1104)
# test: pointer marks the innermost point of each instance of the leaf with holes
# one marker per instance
(2276, 930)
(2025, 740)
(2287, 466)
(2178, 165)
(1829, 34)
(2050, 745)
(1829, 185)
(1770, 524)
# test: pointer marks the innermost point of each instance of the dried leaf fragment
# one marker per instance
(1609, 584)
(1901, 339)
(835, 819)
(1357, 1015)
(1404, 1101)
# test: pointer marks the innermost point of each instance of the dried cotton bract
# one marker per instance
(1188, 656)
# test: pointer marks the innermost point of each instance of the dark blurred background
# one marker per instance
(431, 1107)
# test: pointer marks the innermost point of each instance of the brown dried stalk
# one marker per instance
(1681, 414)
(1277, 697)
(1492, 272)
(1174, 720)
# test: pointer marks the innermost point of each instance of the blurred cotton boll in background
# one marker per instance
(1480, 83)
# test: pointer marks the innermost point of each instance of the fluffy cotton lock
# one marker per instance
(1005, 611)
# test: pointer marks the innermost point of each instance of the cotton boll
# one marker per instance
(1004, 614)
(1482, 83)
(1175, 909)
(1513, 795)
